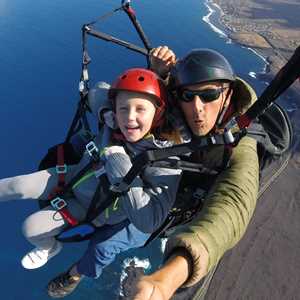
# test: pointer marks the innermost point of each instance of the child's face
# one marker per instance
(134, 114)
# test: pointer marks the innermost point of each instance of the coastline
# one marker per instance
(272, 32)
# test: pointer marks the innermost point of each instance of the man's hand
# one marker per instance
(148, 289)
(162, 59)
(160, 285)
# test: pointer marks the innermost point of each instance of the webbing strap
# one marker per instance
(91, 210)
(61, 167)
(104, 195)
(150, 156)
(289, 73)
(58, 203)
(185, 166)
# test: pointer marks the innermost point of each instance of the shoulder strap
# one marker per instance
(102, 199)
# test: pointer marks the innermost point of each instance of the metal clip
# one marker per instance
(58, 203)
(228, 137)
(119, 188)
(92, 150)
(99, 172)
(212, 140)
(85, 74)
(232, 123)
(61, 169)
(125, 2)
(81, 86)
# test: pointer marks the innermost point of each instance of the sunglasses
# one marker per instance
(206, 96)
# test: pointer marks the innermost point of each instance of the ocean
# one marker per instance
(40, 56)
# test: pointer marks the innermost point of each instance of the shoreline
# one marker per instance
(264, 35)
(224, 31)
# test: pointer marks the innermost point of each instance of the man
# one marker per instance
(209, 94)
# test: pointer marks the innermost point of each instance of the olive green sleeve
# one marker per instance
(227, 211)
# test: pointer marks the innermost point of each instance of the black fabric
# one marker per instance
(50, 159)
(274, 134)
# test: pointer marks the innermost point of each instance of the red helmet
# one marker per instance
(146, 82)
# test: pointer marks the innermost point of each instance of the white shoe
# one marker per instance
(38, 257)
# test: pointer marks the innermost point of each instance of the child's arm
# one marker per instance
(148, 201)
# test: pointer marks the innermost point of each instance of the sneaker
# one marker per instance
(63, 285)
(38, 257)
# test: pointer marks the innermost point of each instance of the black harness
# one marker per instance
(193, 188)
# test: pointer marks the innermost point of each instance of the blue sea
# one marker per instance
(40, 59)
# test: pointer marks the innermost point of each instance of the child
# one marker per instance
(138, 99)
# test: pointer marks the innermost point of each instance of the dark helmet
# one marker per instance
(202, 65)
(142, 81)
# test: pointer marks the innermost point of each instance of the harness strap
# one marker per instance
(106, 197)
(90, 212)
(148, 157)
(56, 202)
(185, 166)
(61, 167)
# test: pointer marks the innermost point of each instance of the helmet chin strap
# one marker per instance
(223, 110)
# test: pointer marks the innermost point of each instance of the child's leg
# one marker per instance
(102, 250)
(36, 185)
(106, 244)
(41, 227)
(40, 230)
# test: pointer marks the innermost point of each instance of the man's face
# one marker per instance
(201, 111)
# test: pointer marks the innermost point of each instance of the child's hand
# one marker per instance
(114, 149)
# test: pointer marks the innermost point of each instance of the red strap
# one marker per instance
(61, 165)
(61, 171)
(243, 121)
(68, 217)
(54, 193)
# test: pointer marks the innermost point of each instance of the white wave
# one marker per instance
(144, 263)
(206, 18)
(258, 54)
(252, 74)
(133, 261)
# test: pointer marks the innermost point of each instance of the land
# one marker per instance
(271, 27)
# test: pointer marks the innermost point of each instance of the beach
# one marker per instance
(270, 27)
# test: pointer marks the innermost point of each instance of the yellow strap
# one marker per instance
(115, 205)
(83, 178)
(106, 213)
(88, 175)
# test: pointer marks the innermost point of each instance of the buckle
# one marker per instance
(58, 203)
(119, 187)
(99, 172)
(92, 150)
(61, 169)
(232, 123)
(228, 137)
(212, 140)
